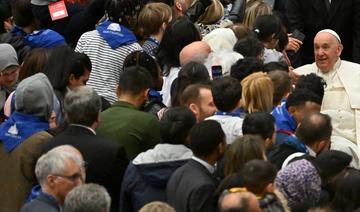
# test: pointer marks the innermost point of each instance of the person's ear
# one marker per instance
(292, 110)
(178, 6)
(72, 79)
(269, 142)
(51, 181)
(320, 146)
(52, 120)
(118, 91)
(8, 24)
(146, 93)
(273, 36)
(339, 49)
(194, 108)
(270, 188)
(163, 26)
(239, 104)
(221, 148)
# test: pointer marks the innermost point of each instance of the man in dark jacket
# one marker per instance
(147, 175)
(192, 186)
(106, 160)
(311, 137)
(58, 172)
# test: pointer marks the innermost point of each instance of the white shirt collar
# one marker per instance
(311, 152)
(83, 126)
(208, 166)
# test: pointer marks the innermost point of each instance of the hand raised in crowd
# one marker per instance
(294, 44)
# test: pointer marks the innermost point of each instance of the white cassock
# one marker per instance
(342, 103)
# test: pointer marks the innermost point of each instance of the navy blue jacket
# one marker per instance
(147, 175)
(43, 202)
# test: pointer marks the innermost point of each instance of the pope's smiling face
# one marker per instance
(327, 50)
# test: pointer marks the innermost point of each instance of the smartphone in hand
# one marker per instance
(298, 35)
(216, 71)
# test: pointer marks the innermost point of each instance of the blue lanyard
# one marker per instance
(154, 93)
(235, 114)
(154, 41)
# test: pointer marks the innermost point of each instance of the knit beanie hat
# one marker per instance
(8, 56)
(332, 162)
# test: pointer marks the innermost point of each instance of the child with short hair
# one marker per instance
(152, 22)
(258, 177)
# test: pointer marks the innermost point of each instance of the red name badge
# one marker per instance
(58, 10)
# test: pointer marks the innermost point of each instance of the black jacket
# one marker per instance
(311, 16)
(279, 152)
(80, 19)
(147, 175)
(191, 188)
(106, 160)
(41, 203)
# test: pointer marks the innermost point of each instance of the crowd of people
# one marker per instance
(179, 105)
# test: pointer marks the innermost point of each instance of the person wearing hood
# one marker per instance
(21, 139)
(300, 183)
(147, 175)
(9, 69)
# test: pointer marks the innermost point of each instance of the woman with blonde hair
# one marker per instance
(255, 8)
(257, 93)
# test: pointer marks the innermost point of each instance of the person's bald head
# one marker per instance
(196, 51)
(240, 201)
(327, 49)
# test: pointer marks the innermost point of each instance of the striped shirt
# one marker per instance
(107, 63)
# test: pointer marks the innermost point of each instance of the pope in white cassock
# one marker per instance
(342, 94)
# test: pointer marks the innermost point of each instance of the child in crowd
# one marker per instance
(226, 93)
(267, 29)
(152, 21)
(258, 177)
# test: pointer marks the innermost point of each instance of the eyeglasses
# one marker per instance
(72, 178)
